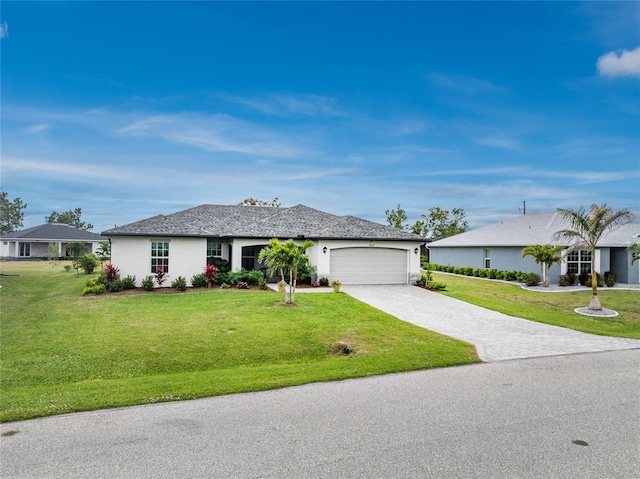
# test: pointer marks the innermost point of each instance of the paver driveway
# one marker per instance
(496, 336)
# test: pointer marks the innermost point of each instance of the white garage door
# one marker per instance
(369, 266)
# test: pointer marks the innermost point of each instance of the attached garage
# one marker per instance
(370, 265)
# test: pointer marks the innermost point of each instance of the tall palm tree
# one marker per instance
(545, 255)
(586, 230)
(288, 257)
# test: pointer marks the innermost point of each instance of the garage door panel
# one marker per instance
(369, 265)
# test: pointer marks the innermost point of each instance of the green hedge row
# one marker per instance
(479, 272)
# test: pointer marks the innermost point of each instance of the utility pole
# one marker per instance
(524, 207)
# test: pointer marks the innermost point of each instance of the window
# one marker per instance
(25, 249)
(214, 249)
(579, 262)
(487, 258)
(248, 257)
(159, 256)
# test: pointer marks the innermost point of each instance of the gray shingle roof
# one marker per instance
(54, 232)
(528, 230)
(261, 222)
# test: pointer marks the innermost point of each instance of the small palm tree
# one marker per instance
(635, 247)
(288, 257)
(586, 229)
(545, 256)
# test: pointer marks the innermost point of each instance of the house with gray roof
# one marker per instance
(349, 249)
(33, 243)
(499, 246)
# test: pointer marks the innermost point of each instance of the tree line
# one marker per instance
(437, 224)
(12, 215)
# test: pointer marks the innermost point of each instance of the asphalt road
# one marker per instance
(572, 417)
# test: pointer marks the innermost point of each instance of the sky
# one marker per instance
(133, 109)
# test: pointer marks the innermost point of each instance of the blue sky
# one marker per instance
(133, 109)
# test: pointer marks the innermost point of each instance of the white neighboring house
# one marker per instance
(349, 249)
(33, 243)
(499, 246)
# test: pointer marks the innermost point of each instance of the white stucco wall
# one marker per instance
(187, 256)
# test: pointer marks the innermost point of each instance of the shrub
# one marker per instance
(180, 283)
(129, 282)
(67, 268)
(609, 278)
(564, 280)
(531, 279)
(160, 275)
(116, 285)
(583, 279)
(568, 279)
(225, 286)
(147, 283)
(110, 272)
(599, 280)
(243, 285)
(198, 280)
(240, 275)
(306, 272)
(324, 281)
(209, 274)
(254, 277)
(96, 289)
(222, 265)
(437, 286)
(425, 279)
(88, 263)
(262, 283)
(102, 278)
(93, 286)
(492, 274)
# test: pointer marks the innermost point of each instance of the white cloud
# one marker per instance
(4, 30)
(214, 133)
(499, 142)
(465, 84)
(36, 128)
(286, 105)
(619, 64)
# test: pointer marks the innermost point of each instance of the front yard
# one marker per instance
(63, 352)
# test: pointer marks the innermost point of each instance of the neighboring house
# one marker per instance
(499, 246)
(34, 242)
(347, 248)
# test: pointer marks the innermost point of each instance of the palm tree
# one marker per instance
(288, 257)
(635, 247)
(586, 230)
(545, 256)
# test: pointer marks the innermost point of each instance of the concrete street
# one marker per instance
(575, 416)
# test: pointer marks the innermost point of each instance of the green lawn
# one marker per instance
(550, 308)
(63, 352)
